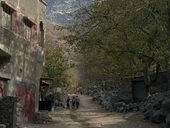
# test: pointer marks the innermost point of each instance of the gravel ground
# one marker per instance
(90, 115)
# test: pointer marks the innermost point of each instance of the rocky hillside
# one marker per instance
(58, 11)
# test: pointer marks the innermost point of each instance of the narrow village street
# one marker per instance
(90, 115)
(84, 63)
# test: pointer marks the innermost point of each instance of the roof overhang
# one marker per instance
(4, 52)
(42, 1)
(46, 81)
(5, 4)
(5, 76)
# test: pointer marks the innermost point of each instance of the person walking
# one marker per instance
(68, 102)
(74, 102)
(77, 101)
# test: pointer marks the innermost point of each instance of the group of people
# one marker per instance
(73, 102)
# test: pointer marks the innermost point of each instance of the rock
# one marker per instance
(168, 119)
(148, 114)
(120, 109)
(157, 117)
(157, 105)
(165, 108)
(149, 106)
(2, 126)
(119, 104)
(41, 117)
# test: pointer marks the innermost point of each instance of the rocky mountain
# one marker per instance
(58, 11)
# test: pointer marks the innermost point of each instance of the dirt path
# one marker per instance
(90, 115)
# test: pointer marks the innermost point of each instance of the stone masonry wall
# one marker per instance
(8, 111)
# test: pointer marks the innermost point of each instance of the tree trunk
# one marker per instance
(147, 77)
(168, 11)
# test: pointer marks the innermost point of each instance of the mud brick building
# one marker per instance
(22, 28)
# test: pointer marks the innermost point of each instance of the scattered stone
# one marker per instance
(41, 117)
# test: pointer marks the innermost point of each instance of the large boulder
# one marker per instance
(148, 106)
(157, 117)
(165, 107)
(168, 120)
(148, 114)
(157, 105)
(2, 126)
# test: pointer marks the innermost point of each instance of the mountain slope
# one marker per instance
(58, 11)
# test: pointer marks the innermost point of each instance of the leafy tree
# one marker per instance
(55, 63)
(124, 38)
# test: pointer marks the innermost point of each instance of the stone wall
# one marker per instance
(125, 90)
(8, 111)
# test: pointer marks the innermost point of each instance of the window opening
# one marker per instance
(7, 16)
(28, 28)
(41, 34)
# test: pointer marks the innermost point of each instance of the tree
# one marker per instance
(55, 63)
(57, 56)
(128, 37)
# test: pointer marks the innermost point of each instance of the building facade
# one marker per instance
(22, 35)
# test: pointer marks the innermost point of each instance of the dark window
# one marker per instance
(27, 27)
(41, 43)
(30, 29)
(7, 16)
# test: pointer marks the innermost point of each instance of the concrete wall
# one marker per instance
(26, 7)
(24, 66)
(28, 102)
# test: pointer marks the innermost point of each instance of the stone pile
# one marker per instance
(42, 117)
(104, 99)
(157, 108)
(126, 107)
(110, 100)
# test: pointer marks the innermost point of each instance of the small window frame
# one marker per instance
(7, 13)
